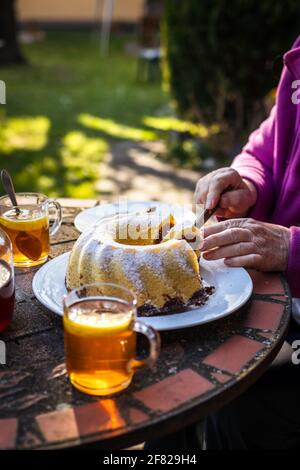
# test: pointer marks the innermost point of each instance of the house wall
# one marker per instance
(77, 10)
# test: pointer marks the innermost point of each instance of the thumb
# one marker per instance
(237, 201)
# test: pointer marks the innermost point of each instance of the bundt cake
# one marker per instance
(142, 252)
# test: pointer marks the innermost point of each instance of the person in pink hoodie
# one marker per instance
(261, 230)
(264, 185)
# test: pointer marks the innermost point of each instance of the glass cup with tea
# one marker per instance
(28, 226)
(100, 329)
(7, 286)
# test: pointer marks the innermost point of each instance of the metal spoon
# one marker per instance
(27, 244)
(9, 188)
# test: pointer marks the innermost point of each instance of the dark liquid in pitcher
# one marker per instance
(7, 295)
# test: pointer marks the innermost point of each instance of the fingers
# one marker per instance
(240, 194)
(210, 187)
(201, 191)
(247, 261)
(221, 226)
(231, 236)
(234, 240)
(215, 189)
(231, 251)
(218, 184)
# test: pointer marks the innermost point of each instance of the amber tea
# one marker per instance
(100, 338)
(29, 235)
(27, 226)
(99, 346)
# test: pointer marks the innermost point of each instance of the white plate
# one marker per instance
(92, 216)
(233, 289)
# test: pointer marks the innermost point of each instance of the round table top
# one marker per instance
(200, 369)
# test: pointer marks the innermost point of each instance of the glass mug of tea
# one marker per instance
(100, 329)
(27, 225)
(7, 284)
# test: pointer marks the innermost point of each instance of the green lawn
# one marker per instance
(65, 107)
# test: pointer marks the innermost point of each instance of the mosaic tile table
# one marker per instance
(199, 370)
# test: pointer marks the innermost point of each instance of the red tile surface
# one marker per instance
(173, 391)
(71, 423)
(264, 315)
(114, 419)
(58, 425)
(137, 416)
(8, 433)
(266, 283)
(233, 354)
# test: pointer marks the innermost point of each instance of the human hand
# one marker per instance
(239, 197)
(248, 243)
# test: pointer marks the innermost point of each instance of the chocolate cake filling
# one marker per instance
(176, 305)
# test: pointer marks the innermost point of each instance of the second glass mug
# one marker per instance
(28, 226)
(7, 282)
(100, 328)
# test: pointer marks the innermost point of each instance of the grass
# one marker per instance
(64, 108)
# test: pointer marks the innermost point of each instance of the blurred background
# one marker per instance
(134, 97)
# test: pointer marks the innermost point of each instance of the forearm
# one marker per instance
(252, 190)
(255, 163)
(260, 182)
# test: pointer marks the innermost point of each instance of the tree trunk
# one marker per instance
(9, 47)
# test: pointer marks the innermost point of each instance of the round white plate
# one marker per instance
(233, 289)
(92, 216)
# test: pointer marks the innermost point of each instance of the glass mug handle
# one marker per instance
(58, 216)
(154, 341)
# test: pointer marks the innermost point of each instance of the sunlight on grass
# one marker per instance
(115, 129)
(72, 172)
(169, 123)
(81, 156)
(23, 133)
(41, 142)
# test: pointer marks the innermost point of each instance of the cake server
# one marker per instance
(204, 217)
(208, 213)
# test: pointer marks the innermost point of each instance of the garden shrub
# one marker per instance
(223, 57)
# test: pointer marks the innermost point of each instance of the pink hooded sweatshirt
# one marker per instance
(271, 161)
